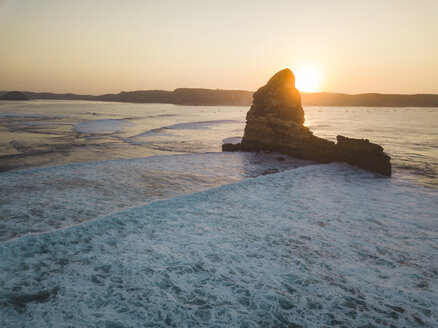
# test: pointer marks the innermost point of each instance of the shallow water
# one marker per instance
(127, 215)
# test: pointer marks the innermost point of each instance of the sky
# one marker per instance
(106, 46)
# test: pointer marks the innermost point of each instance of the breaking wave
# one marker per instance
(322, 245)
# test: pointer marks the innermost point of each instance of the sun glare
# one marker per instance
(307, 79)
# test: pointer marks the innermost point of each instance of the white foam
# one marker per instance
(205, 125)
(323, 245)
(100, 126)
(30, 115)
(232, 140)
(43, 199)
(164, 130)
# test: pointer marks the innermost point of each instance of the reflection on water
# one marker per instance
(41, 133)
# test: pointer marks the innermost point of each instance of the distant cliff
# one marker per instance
(14, 95)
(214, 97)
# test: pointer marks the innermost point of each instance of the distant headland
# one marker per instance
(218, 97)
(14, 95)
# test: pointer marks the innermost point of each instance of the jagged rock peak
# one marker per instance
(279, 98)
(283, 76)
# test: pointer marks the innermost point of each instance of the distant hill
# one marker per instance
(57, 96)
(14, 95)
(368, 99)
(188, 96)
(212, 97)
(183, 96)
(146, 96)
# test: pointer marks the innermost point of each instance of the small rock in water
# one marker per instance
(39, 297)
(231, 147)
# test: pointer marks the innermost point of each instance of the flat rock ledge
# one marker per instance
(275, 123)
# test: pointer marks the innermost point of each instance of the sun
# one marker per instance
(307, 79)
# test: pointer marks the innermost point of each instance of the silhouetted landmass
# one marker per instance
(58, 96)
(14, 95)
(188, 96)
(369, 99)
(183, 96)
(146, 96)
(211, 97)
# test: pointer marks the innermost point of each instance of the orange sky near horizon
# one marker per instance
(95, 47)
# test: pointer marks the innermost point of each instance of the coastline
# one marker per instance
(218, 97)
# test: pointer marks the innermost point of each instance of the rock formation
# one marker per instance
(275, 123)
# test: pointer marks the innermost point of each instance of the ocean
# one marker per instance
(129, 215)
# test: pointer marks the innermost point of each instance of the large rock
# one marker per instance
(275, 123)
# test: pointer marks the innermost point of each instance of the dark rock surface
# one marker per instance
(14, 95)
(42, 296)
(275, 123)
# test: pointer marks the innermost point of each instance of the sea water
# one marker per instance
(128, 215)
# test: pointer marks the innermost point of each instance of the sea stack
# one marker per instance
(275, 123)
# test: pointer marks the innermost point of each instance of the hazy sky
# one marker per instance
(99, 46)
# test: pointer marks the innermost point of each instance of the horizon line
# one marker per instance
(212, 89)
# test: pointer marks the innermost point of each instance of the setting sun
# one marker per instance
(307, 79)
